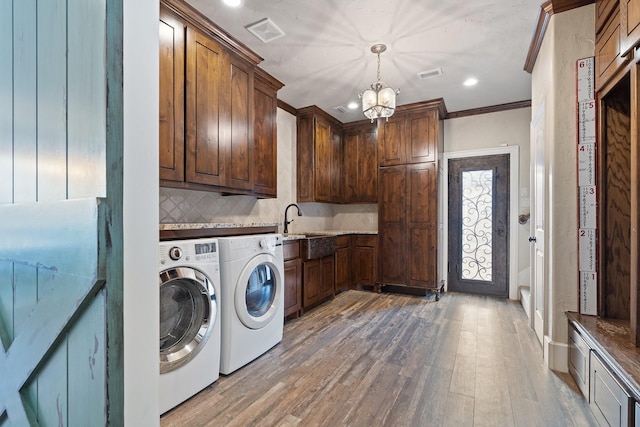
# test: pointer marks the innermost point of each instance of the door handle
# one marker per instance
(532, 239)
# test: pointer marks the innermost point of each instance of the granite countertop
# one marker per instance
(194, 227)
(304, 234)
(205, 225)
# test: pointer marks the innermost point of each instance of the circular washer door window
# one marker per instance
(188, 310)
(258, 292)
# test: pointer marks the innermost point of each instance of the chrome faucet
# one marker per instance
(286, 221)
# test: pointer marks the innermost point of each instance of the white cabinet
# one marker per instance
(579, 361)
(609, 402)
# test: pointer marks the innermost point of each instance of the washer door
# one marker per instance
(258, 291)
(188, 310)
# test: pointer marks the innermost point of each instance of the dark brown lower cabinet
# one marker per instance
(318, 280)
(292, 279)
(343, 263)
(365, 259)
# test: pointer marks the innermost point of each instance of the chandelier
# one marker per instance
(380, 100)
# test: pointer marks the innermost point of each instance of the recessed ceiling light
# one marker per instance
(232, 3)
(471, 81)
(353, 105)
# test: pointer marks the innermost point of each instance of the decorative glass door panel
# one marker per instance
(477, 225)
(478, 259)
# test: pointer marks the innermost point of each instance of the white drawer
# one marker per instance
(579, 361)
(609, 402)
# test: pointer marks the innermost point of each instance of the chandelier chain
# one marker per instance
(378, 66)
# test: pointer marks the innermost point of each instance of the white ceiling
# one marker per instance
(325, 59)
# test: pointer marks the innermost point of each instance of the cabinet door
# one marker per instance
(172, 53)
(360, 165)
(610, 402)
(305, 176)
(292, 286)
(423, 136)
(367, 189)
(343, 268)
(629, 24)
(322, 160)
(206, 110)
(327, 284)
(336, 165)
(364, 265)
(311, 277)
(391, 224)
(265, 180)
(392, 141)
(608, 58)
(579, 361)
(350, 142)
(422, 199)
(241, 115)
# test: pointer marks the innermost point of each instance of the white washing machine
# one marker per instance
(252, 295)
(189, 319)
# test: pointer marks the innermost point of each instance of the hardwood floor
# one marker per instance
(367, 359)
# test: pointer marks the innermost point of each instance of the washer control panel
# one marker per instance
(184, 251)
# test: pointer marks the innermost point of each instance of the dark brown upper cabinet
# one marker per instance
(213, 134)
(265, 178)
(360, 162)
(408, 137)
(319, 154)
(172, 42)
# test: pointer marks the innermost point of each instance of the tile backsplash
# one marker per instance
(188, 206)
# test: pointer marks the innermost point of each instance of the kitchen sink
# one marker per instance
(317, 246)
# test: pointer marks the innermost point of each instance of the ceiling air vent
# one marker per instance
(340, 108)
(430, 73)
(265, 30)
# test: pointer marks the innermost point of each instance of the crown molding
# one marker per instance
(547, 9)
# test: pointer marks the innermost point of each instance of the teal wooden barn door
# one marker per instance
(52, 315)
(54, 296)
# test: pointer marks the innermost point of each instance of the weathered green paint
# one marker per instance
(25, 135)
(6, 101)
(52, 99)
(87, 98)
(113, 211)
(60, 85)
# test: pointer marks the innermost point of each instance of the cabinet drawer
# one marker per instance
(343, 241)
(610, 403)
(579, 361)
(365, 240)
(291, 249)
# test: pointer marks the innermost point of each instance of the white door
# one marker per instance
(538, 207)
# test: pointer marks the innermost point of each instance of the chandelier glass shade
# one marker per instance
(380, 100)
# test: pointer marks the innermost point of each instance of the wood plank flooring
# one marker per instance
(367, 359)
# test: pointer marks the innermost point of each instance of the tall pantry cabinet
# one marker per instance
(408, 148)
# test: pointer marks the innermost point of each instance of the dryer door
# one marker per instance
(259, 291)
(188, 308)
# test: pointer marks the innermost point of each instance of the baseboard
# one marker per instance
(525, 300)
(556, 355)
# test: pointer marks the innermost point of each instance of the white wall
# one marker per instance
(491, 130)
(141, 297)
(569, 37)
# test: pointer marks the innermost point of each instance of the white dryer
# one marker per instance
(189, 319)
(252, 295)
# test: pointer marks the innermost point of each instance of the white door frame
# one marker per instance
(539, 250)
(514, 174)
